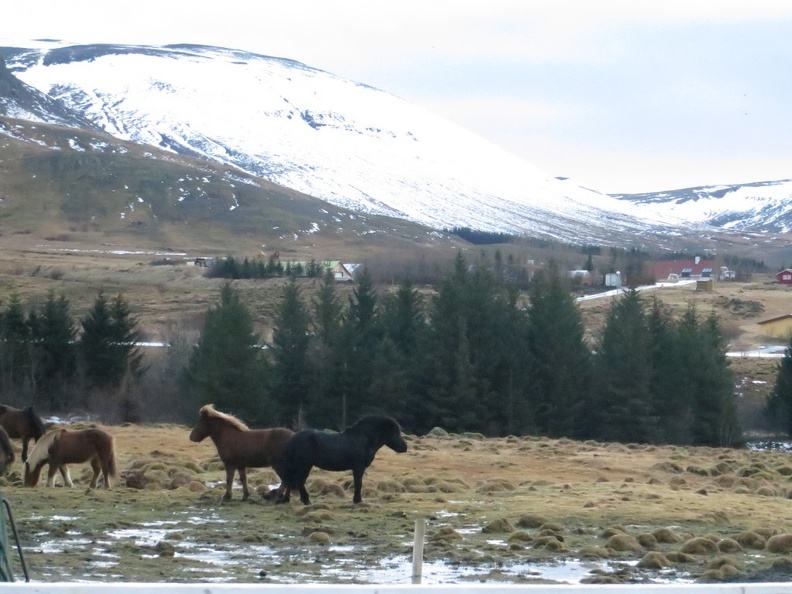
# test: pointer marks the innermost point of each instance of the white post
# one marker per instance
(418, 545)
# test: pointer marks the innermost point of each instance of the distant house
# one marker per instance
(784, 277)
(777, 327)
(580, 277)
(689, 268)
(341, 272)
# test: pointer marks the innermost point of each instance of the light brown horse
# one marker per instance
(21, 423)
(240, 447)
(60, 447)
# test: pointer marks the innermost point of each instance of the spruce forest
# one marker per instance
(472, 356)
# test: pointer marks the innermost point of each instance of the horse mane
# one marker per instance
(210, 411)
(377, 421)
(35, 422)
(40, 452)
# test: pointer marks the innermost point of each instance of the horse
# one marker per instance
(60, 447)
(7, 456)
(353, 449)
(240, 447)
(21, 424)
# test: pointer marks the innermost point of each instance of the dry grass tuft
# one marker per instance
(624, 543)
(666, 536)
(501, 525)
(699, 546)
(779, 543)
(531, 521)
(654, 560)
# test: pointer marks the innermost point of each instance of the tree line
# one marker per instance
(471, 357)
(49, 360)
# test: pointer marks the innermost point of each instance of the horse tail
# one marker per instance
(112, 462)
(299, 456)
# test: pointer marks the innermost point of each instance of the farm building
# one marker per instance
(340, 270)
(784, 277)
(580, 277)
(777, 327)
(688, 268)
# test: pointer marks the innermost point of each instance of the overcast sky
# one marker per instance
(620, 95)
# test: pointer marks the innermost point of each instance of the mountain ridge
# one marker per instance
(355, 146)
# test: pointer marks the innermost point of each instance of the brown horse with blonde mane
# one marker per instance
(60, 447)
(21, 423)
(240, 447)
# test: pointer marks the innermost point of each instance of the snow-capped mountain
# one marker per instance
(350, 144)
(346, 143)
(756, 207)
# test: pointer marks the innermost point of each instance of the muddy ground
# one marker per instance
(496, 510)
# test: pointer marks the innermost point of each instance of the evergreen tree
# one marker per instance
(14, 346)
(327, 310)
(558, 357)
(54, 357)
(395, 378)
(708, 380)
(226, 366)
(357, 347)
(778, 407)
(290, 356)
(622, 388)
(326, 356)
(441, 365)
(670, 403)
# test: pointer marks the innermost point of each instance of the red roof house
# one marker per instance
(784, 277)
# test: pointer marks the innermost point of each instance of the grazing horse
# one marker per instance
(60, 447)
(7, 456)
(240, 447)
(21, 423)
(353, 449)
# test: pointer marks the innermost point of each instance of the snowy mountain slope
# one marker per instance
(347, 143)
(18, 100)
(756, 207)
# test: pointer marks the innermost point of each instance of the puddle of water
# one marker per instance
(148, 537)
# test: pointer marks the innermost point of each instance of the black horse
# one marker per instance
(353, 449)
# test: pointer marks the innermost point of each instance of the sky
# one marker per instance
(623, 96)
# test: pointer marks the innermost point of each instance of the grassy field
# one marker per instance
(497, 510)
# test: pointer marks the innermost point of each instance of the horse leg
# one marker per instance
(95, 477)
(243, 479)
(304, 495)
(51, 472)
(282, 494)
(357, 475)
(105, 466)
(64, 470)
(24, 448)
(229, 481)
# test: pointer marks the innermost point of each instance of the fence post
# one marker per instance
(418, 546)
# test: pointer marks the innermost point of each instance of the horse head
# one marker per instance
(383, 430)
(39, 456)
(210, 422)
(393, 436)
(201, 429)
